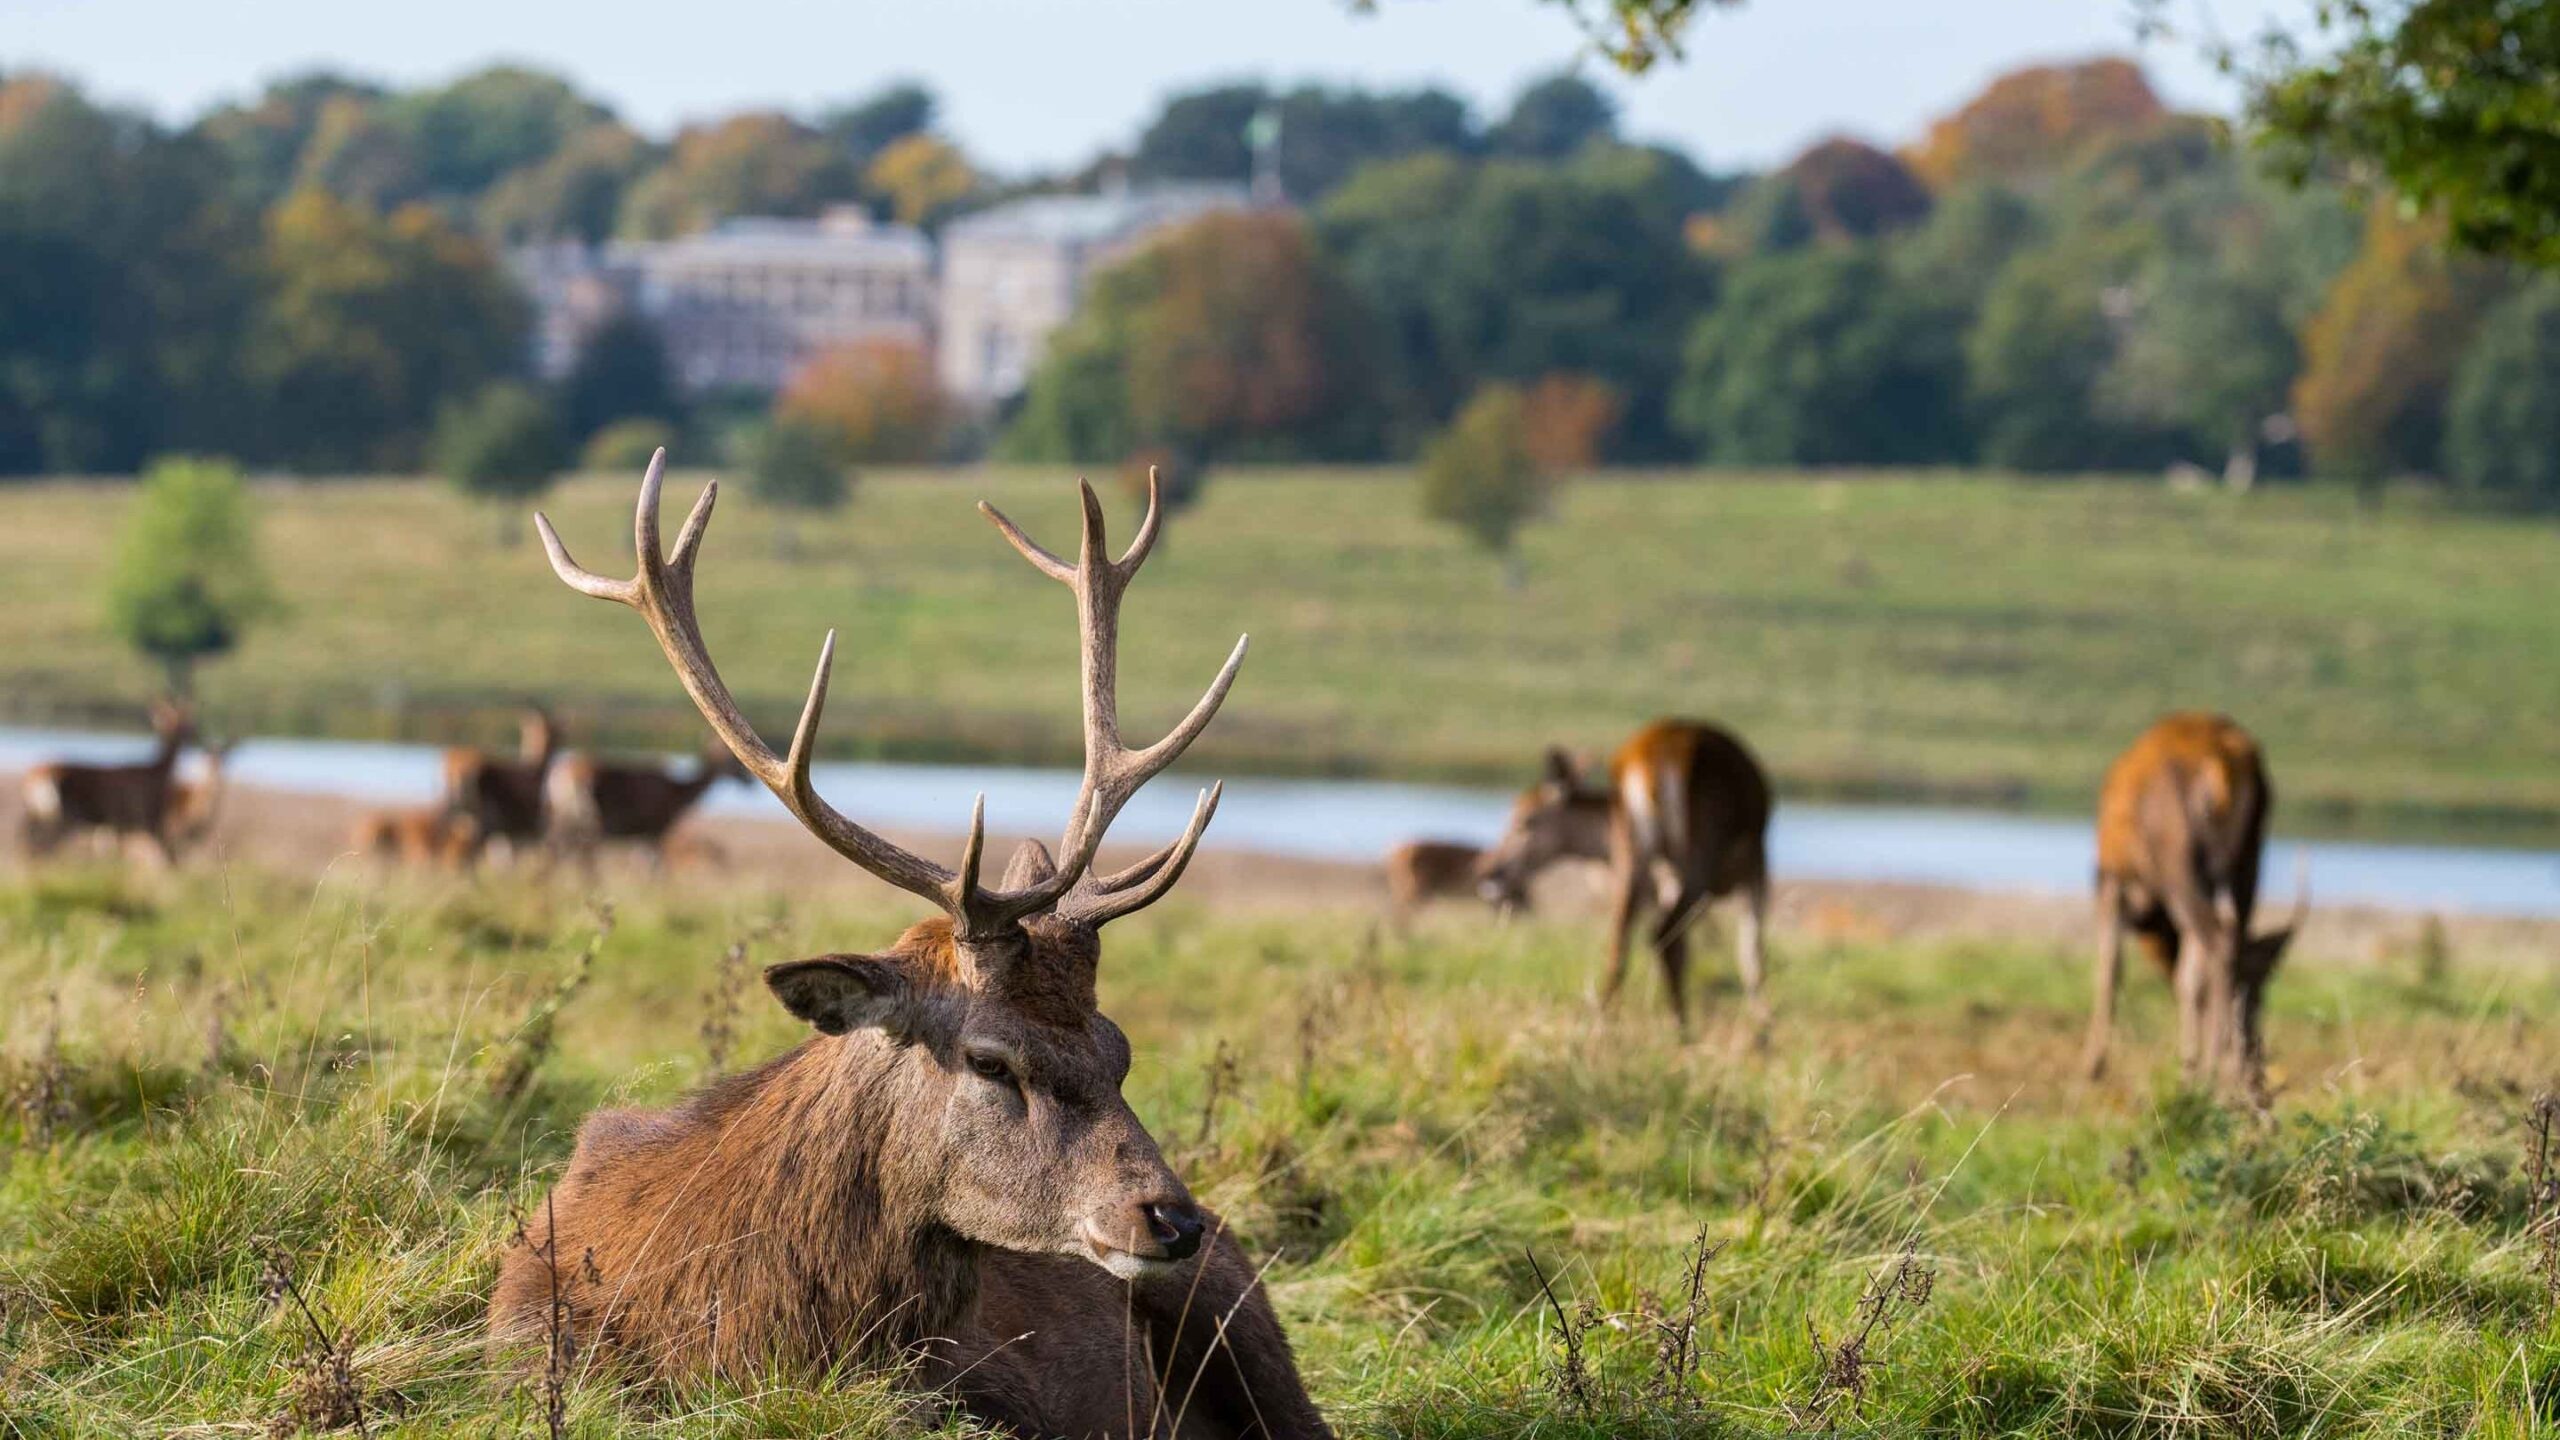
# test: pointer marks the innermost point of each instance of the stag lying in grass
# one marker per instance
(502, 798)
(591, 802)
(64, 801)
(2182, 823)
(1683, 821)
(947, 1173)
(1421, 871)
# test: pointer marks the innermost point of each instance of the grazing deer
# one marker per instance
(1684, 821)
(947, 1171)
(503, 798)
(429, 838)
(1421, 871)
(2182, 821)
(62, 799)
(591, 801)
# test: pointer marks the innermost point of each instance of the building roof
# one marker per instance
(832, 239)
(1093, 219)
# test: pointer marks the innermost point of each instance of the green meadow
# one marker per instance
(1899, 635)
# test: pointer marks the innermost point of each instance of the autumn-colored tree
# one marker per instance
(1566, 418)
(1840, 191)
(877, 400)
(759, 163)
(2380, 354)
(921, 177)
(2031, 122)
(1232, 335)
(1480, 476)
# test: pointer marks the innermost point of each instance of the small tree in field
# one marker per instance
(501, 445)
(793, 466)
(187, 580)
(1482, 475)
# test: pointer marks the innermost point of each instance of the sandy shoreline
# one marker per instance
(292, 833)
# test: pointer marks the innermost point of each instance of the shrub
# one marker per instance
(187, 579)
(625, 445)
(502, 444)
(878, 401)
(1481, 476)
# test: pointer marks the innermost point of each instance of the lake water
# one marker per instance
(1355, 820)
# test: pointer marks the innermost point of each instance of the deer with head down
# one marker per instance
(2182, 822)
(62, 799)
(1683, 820)
(946, 1172)
(589, 802)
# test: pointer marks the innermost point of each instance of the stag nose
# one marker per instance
(1175, 1227)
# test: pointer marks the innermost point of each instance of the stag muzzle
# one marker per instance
(1131, 1241)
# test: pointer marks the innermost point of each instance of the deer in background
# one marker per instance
(430, 838)
(1683, 821)
(62, 799)
(195, 802)
(1421, 871)
(591, 801)
(502, 799)
(947, 1171)
(2182, 822)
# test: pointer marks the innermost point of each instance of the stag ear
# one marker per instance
(1560, 769)
(837, 993)
(1030, 866)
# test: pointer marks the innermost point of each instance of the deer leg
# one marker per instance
(1751, 954)
(1673, 954)
(2110, 970)
(1632, 883)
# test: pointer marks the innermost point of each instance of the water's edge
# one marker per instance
(1354, 821)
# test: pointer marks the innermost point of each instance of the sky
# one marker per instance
(1033, 84)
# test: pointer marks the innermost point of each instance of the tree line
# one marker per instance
(2060, 275)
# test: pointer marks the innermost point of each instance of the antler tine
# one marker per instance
(1099, 903)
(662, 591)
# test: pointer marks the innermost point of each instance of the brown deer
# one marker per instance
(2182, 821)
(947, 1172)
(430, 838)
(1683, 821)
(503, 798)
(195, 802)
(62, 799)
(591, 801)
(1421, 871)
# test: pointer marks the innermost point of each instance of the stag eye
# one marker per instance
(990, 1067)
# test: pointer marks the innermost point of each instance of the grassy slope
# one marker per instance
(1406, 1120)
(1893, 635)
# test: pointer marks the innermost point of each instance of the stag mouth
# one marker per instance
(1122, 1262)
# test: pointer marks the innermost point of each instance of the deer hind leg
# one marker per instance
(1673, 954)
(1752, 956)
(1633, 880)
(2104, 980)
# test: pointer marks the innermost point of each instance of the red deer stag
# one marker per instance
(1683, 822)
(592, 801)
(63, 799)
(947, 1172)
(2182, 820)
(503, 798)
(1421, 871)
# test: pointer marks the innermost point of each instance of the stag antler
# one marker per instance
(662, 591)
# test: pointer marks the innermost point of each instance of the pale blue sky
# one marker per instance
(1046, 82)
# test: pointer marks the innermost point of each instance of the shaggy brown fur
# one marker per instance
(2182, 821)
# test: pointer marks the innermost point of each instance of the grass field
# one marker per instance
(213, 1078)
(1949, 637)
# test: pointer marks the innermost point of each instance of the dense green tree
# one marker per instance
(369, 326)
(1482, 477)
(2503, 436)
(869, 125)
(1553, 118)
(621, 373)
(1969, 236)
(500, 445)
(471, 132)
(757, 163)
(1325, 134)
(1838, 192)
(2455, 102)
(2034, 357)
(575, 193)
(1821, 358)
(262, 141)
(360, 152)
(187, 581)
(794, 467)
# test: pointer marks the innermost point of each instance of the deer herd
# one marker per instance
(945, 1173)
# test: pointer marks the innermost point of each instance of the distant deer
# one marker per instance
(62, 799)
(1683, 821)
(503, 798)
(947, 1171)
(1421, 871)
(429, 838)
(2182, 821)
(591, 801)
